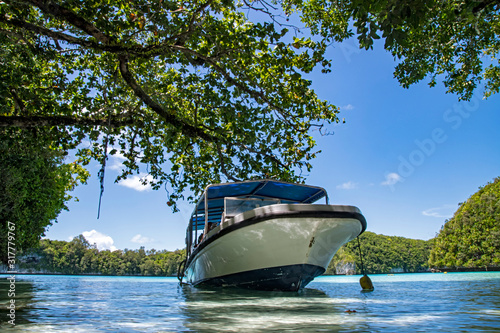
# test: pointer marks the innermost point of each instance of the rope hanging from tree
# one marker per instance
(103, 165)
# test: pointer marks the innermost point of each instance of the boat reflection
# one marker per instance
(241, 310)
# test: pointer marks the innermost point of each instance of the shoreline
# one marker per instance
(442, 270)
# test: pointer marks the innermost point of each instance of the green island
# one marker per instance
(470, 240)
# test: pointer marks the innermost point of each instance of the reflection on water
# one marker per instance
(233, 310)
(23, 294)
(462, 302)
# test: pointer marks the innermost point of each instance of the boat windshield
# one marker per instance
(235, 206)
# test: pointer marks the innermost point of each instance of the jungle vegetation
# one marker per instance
(34, 187)
(382, 254)
(81, 257)
(471, 238)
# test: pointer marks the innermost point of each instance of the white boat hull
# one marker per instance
(279, 247)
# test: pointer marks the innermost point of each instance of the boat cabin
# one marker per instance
(222, 202)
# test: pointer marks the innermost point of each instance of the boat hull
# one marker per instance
(280, 247)
(284, 278)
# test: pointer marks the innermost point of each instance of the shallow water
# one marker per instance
(453, 302)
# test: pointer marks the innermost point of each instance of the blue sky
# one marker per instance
(405, 157)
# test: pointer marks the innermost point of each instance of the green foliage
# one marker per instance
(34, 186)
(471, 238)
(197, 92)
(455, 40)
(80, 257)
(189, 92)
(383, 254)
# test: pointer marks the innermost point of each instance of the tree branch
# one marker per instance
(483, 4)
(50, 33)
(157, 108)
(196, 13)
(49, 7)
(10, 33)
(255, 94)
(107, 43)
(133, 49)
(40, 121)
(18, 101)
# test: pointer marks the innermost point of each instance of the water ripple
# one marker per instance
(458, 302)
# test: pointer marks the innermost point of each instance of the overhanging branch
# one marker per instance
(102, 42)
(50, 33)
(41, 121)
(107, 43)
(49, 7)
(157, 108)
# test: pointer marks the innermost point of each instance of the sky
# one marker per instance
(405, 157)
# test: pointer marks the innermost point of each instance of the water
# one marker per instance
(453, 302)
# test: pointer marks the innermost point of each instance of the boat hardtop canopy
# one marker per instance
(211, 203)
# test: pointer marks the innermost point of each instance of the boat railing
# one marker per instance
(232, 207)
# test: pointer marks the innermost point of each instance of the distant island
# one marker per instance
(469, 241)
(381, 254)
(471, 238)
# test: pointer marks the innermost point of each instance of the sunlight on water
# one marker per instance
(413, 277)
(453, 302)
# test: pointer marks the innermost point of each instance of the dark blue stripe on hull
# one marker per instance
(284, 278)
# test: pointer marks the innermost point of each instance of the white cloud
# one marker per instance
(348, 186)
(116, 161)
(391, 179)
(140, 239)
(347, 107)
(135, 182)
(445, 211)
(102, 241)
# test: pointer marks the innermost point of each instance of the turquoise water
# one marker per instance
(453, 302)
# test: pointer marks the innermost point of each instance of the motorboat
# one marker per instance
(265, 235)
